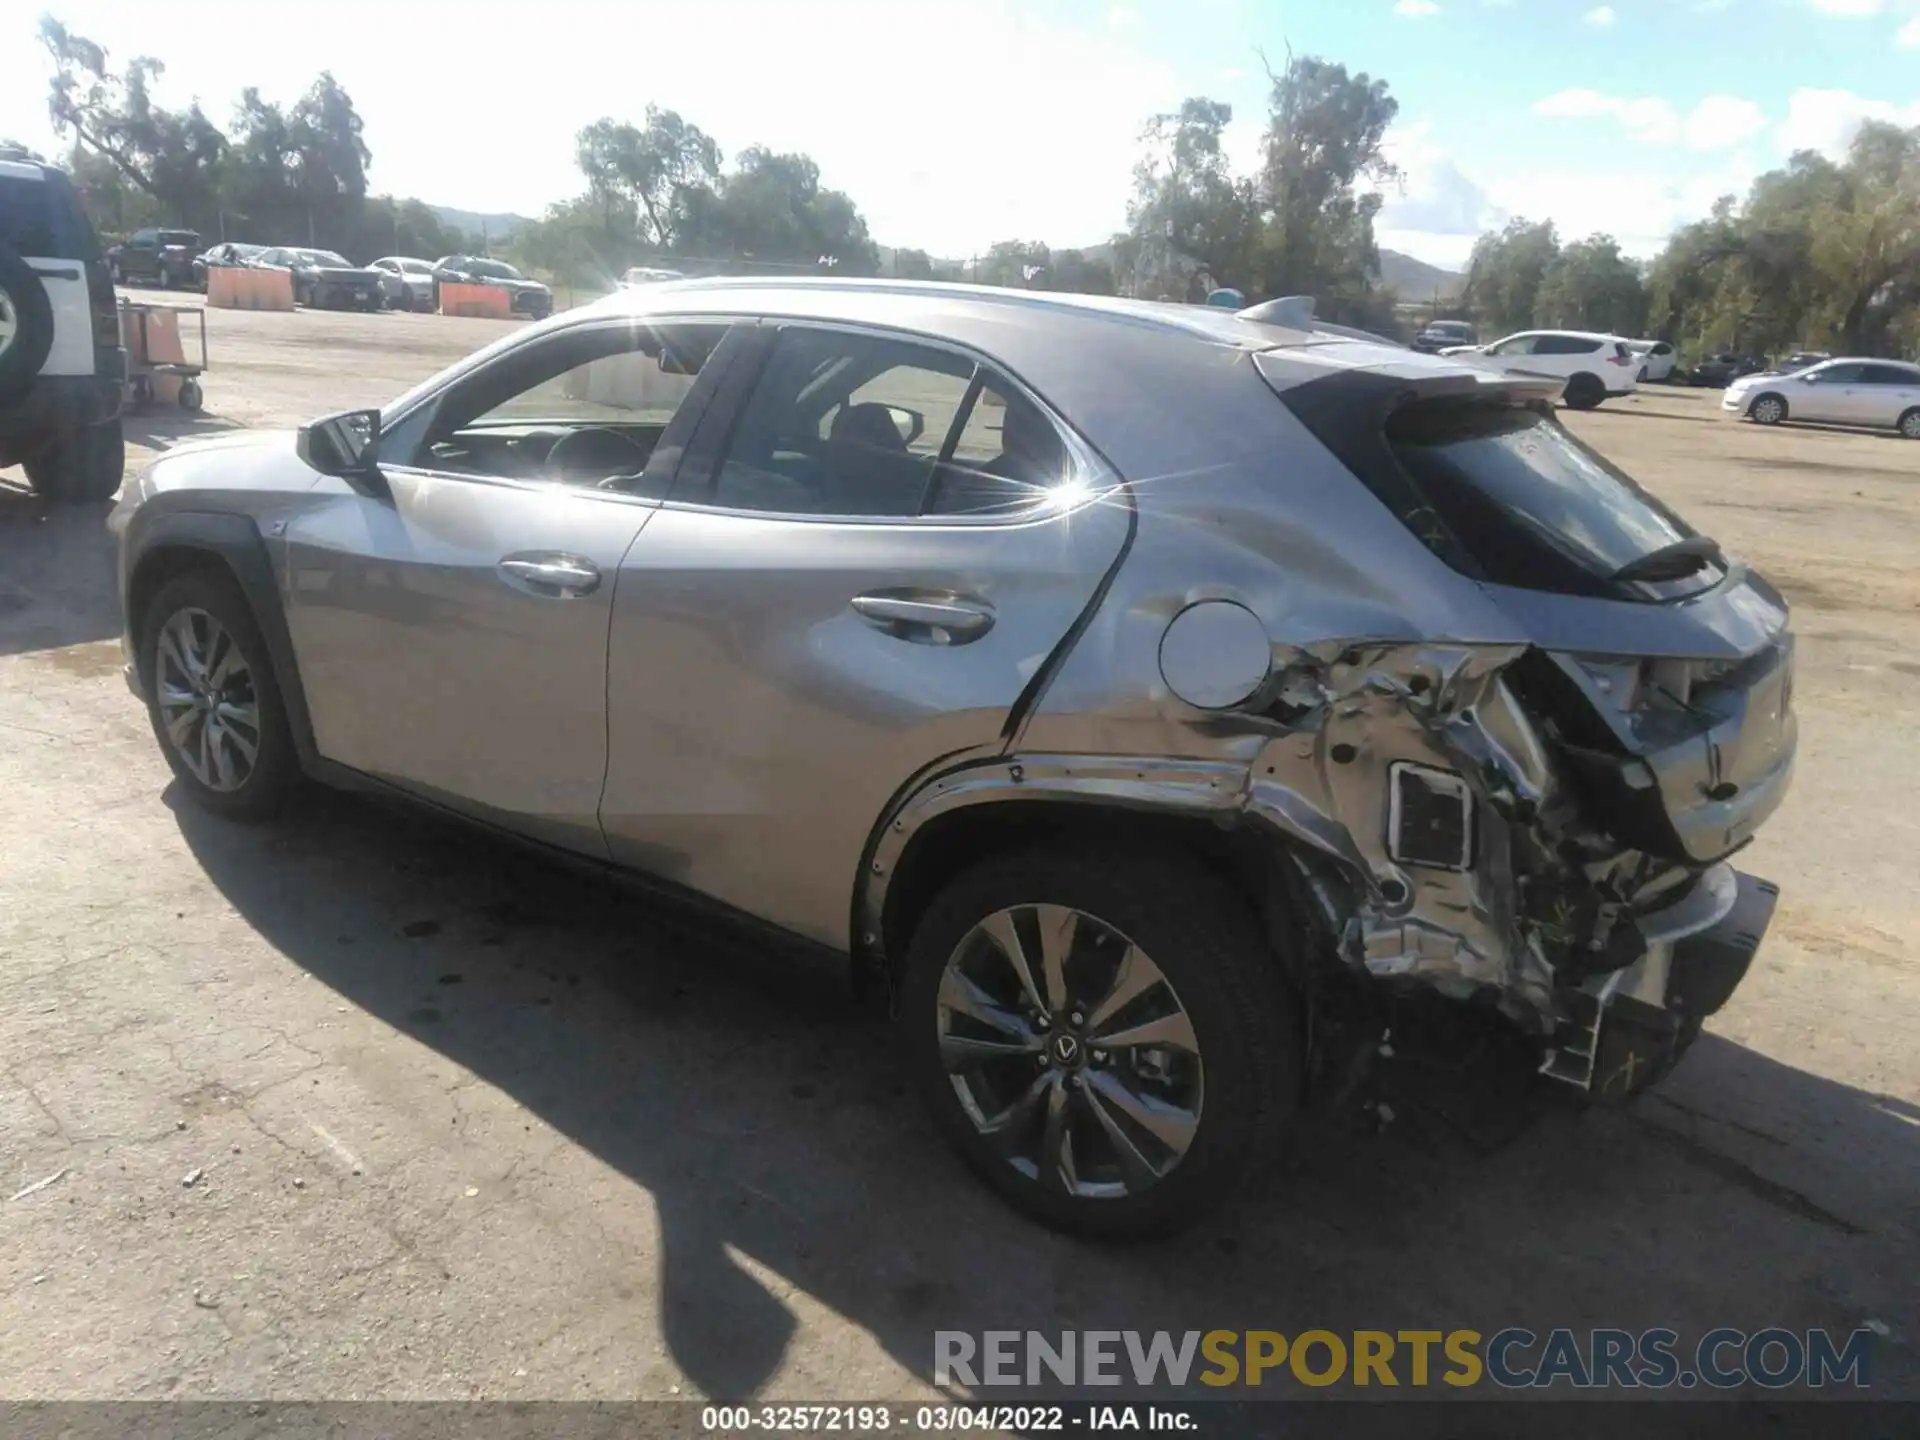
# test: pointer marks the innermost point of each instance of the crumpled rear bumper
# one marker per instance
(1634, 1024)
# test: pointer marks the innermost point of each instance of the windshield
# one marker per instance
(416, 267)
(1449, 327)
(499, 270)
(324, 257)
(1533, 505)
(179, 237)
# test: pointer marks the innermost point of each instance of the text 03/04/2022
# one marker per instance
(944, 1419)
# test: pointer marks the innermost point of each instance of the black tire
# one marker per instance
(1205, 943)
(1641, 378)
(1909, 424)
(275, 769)
(26, 299)
(1584, 392)
(1767, 409)
(80, 467)
(190, 397)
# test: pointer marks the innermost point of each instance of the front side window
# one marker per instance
(1836, 375)
(586, 407)
(859, 426)
(1518, 345)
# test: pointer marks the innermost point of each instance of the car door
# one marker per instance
(869, 553)
(451, 627)
(1829, 394)
(1888, 392)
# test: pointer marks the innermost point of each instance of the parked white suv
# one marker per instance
(62, 371)
(1594, 366)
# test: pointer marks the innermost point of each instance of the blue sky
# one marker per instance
(956, 124)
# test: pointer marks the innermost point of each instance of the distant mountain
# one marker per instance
(474, 222)
(1415, 279)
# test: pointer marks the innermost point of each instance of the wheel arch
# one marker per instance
(991, 809)
(180, 542)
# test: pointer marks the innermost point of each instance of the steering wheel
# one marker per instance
(595, 453)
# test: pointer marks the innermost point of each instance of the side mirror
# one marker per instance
(346, 445)
(910, 423)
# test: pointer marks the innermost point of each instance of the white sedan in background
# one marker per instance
(1884, 394)
(1656, 359)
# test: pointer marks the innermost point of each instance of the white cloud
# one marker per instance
(1649, 118)
(1123, 17)
(1416, 9)
(1601, 15)
(1718, 122)
(1827, 120)
(1849, 9)
(1909, 36)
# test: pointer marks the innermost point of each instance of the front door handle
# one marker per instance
(553, 576)
(939, 621)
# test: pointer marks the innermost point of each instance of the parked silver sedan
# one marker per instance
(1883, 394)
(1168, 705)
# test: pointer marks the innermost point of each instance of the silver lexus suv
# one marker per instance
(1168, 704)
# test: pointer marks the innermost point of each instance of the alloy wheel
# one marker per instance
(1069, 1051)
(9, 322)
(1767, 410)
(209, 707)
(1910, 425)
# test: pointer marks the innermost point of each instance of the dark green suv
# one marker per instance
(62, 371)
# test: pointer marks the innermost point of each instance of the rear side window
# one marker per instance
(864, 426)
(1565, 345)
(1892, 375)
(41, 217)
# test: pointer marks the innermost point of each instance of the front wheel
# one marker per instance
(1910, 423)
(1767, 410)
(212, 698)
(1105, 1039)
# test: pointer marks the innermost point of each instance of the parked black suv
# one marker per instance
(161, 257)
(62, 371)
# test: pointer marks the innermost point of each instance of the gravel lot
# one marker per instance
(462, 1125)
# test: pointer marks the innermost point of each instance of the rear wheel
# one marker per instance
(1910, 423)
(1767, 410)
(1584, 392)
(81, 467)
(1106, 1039)
(213, 701)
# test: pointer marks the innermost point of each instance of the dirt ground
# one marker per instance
(360, 1106)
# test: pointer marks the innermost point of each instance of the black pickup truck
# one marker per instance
(156, 257)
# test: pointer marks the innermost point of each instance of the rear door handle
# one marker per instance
(552, 576)
(943, 621)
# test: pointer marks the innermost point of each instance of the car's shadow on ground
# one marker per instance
(57, 581)
(765, 1114)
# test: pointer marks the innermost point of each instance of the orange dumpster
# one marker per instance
(233, 287)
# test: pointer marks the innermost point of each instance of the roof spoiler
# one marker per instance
(1295, 312)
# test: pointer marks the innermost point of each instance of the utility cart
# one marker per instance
(156, 359)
